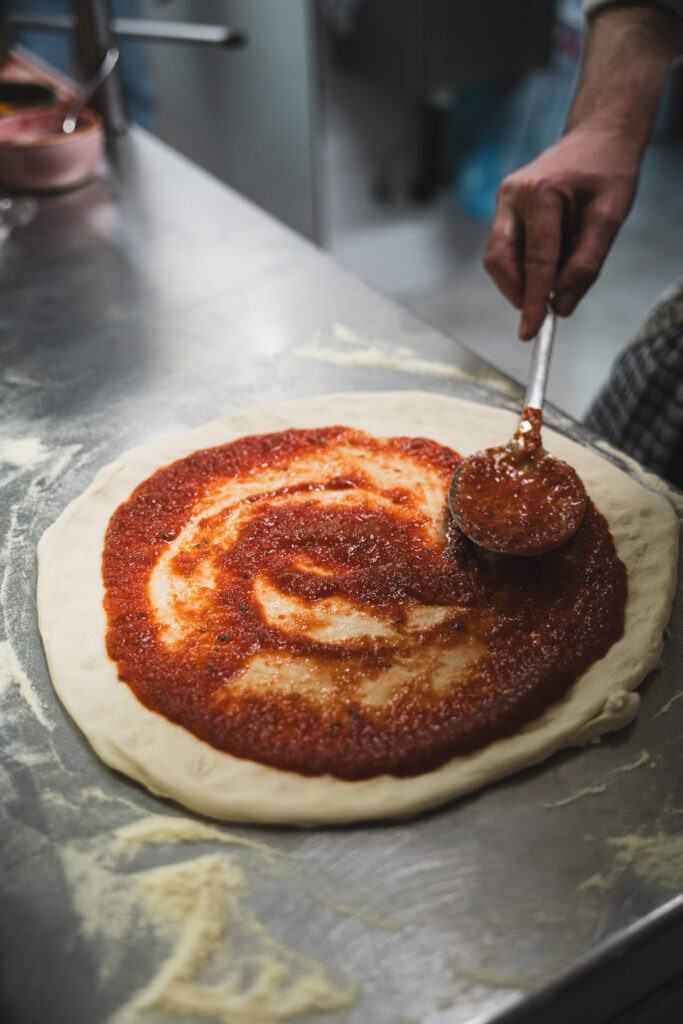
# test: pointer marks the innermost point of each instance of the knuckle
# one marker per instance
(536, 259)
(536, 185)
(607, 220)
(493, 261)
(585, 271)
(507, 188)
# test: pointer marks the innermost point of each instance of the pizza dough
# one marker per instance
(173, 762)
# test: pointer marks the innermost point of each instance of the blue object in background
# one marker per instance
(497, 129)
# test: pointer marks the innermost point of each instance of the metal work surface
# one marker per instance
(136, 308)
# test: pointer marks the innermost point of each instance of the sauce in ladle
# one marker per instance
(517, 499)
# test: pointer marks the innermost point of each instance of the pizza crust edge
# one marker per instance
(173, 763)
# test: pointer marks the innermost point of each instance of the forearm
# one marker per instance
(629, 52)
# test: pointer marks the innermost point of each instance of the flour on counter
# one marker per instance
(25, 452)
(573, 797)
(216, 960)
(12, 672)
(597, 883)
(669, 704)
(21, 380)
(18, 753)
(641, 759)
(163, 829)
(346, 335)
(657, 859)
(541, 915)
(402, 359)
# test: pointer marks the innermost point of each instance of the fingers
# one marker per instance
(523, 250)
(598, 228)
(556, 221)
(543, 222)
(503, 256)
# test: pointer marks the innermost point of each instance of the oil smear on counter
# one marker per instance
(216, 960)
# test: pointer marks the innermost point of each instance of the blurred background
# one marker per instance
(380, 130)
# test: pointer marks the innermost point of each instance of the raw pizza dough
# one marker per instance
(172, 762)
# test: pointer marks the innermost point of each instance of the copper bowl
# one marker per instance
(36, 155)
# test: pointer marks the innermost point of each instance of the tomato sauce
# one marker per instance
(540, 622)
(517, 499)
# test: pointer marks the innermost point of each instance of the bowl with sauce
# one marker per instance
(36, 155)
(19, 95)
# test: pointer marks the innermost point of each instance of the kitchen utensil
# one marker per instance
(104, 70)
(517, 499)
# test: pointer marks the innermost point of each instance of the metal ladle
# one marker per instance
(104, 70)
(517, 499)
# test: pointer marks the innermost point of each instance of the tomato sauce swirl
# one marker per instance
(302, 599)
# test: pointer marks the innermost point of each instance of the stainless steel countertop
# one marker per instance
(151, 301)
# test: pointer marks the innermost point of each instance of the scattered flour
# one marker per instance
(669, 704)
(347, 336)
(588, 791)
(597, 883)
(162, 829)
(6, 678)
(25, 452)
(18, 379)
(657, 859)
(402, 359)
(216, 960)
(11, 671)
(20, 754)
(541, 915)
(642, 758)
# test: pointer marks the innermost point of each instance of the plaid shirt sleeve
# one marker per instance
(640, 407)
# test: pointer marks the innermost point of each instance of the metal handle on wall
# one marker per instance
(95, 34)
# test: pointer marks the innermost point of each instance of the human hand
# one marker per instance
(556, 220)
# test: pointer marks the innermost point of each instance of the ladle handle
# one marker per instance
(106, 67)
(540, 361)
